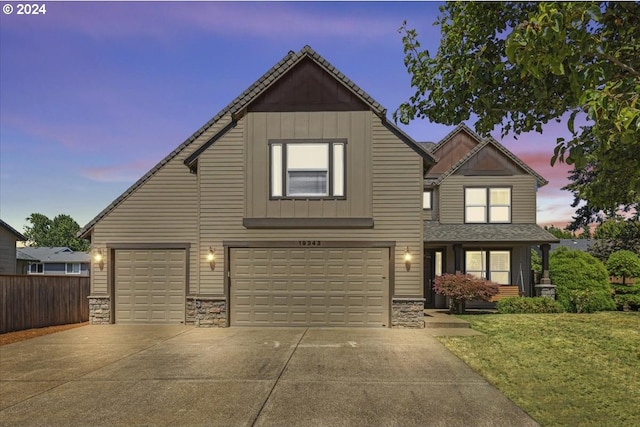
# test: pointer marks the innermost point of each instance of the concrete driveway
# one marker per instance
(177, 375)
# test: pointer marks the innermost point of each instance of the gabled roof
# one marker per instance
(236, 108)
(453, 133)
(52, 254)
(483, 143)
(10, 229)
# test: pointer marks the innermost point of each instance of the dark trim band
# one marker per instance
(324, 223)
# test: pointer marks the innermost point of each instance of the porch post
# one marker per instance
(457, 257)
(545, 288)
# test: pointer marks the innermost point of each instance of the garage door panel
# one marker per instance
(150, 286)
(309, 286)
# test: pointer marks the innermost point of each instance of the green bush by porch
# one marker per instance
(581, 280)
(515, 305)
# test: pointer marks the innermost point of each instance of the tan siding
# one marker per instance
(395, 190)
(162, 210)
(523, 196)
(355, 127)
(7, 252)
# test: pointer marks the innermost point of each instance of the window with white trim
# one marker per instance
(72, 268)
(314, 169)
(492, 265)
(36, 268)
(427, 199)
(487, 205)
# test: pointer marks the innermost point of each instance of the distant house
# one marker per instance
(8, 238)
(54, 261)
(575, 244)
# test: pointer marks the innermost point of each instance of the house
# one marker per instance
(8, 238)
(479, 205)
(54, 261)
(574, 244)
(299, 204)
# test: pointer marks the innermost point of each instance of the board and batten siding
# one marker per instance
(395, 195)
(523, 196)
(354, 127)
(164, 209)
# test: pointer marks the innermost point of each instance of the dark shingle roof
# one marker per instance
(577, 244)
(485, 233)
(248, 96)
(53, 254)
(10, 229)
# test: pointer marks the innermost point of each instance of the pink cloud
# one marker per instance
(128, 172)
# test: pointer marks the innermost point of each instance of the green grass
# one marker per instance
(562, 369)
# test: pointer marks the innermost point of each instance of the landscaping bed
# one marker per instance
(11, 337)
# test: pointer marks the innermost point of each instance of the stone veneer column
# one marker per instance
(545, 288)
(407, 313)
(207, 311)
(99, 310)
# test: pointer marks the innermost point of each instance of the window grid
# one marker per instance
(487, 264)
(487, 205)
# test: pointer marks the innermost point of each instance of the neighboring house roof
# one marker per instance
(52, 254)
(578, 244)
(249, 95)
(482, 143)
(10, 229)
(21, 256)
(485, 233)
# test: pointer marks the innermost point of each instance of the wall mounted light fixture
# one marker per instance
(99, 258)
(211, 258)
(407, 258)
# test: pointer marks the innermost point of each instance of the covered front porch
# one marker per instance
(499, 252)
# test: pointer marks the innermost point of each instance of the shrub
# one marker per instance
(514, 305)
(625, 264)
(464, 287)
(627, 302)
(582, 281)
(619, 288)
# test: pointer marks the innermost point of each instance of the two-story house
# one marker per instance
(297, 204)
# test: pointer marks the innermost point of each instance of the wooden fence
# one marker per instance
(29, 301)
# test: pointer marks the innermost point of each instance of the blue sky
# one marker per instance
(93, 94)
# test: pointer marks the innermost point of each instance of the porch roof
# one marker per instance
(434, 232)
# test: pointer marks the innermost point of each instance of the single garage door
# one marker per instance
(309, 286)
(150, 286)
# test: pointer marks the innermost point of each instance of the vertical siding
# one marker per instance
(393, 194)
(355, 127)
(523, 196)
(162, 210)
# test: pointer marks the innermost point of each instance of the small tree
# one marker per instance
(625, 264)
(461, 288)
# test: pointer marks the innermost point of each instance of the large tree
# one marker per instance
(59, 231)
(519, 65)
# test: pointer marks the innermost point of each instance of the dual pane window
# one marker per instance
(484, 205)
(73, 268)
(427, 196)
(307, 169)
(36, 268)
(492, 265)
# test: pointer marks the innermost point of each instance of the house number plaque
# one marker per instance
(309, 243)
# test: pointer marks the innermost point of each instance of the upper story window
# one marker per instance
(427, 199)
(37, 268)
(73, 268)
(314, 169)
(483, 204)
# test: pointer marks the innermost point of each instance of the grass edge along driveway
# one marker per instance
(562, 369)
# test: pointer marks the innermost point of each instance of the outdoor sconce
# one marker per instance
(99, 258)
(407, 258)
(211, 258)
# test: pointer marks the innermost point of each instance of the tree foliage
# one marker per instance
(582, 281)
(520, 65)
(624, 264)
(559, 233)
(614, 235)
(59, 231)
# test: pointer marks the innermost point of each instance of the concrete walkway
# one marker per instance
(176, 375)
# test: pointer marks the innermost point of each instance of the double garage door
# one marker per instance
(309, 286)
(268, 286)
(150, 286)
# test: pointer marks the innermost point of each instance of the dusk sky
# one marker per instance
(94, 94)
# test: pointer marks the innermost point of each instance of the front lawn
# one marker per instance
(562, 369)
